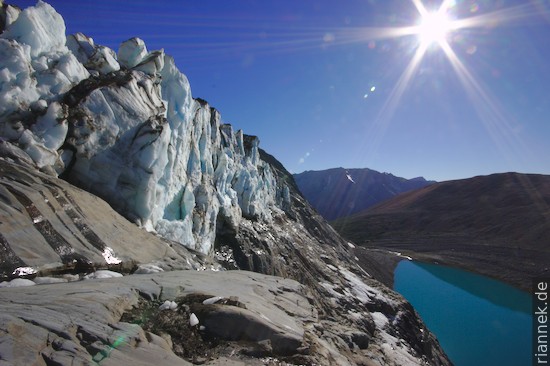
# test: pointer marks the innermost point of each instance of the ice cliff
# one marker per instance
(124, 126)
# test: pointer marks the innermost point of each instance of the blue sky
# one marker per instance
(324, 83)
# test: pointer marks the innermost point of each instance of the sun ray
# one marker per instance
(381, 123)
(420, 7)
(501, 17)
(489, 111)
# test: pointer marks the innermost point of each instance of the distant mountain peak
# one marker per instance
(421, 179)
(339, 192)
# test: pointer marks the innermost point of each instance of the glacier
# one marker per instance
(124, 126)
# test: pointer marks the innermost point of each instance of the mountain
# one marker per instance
(498, 225)
(124, 205)
(341, 192)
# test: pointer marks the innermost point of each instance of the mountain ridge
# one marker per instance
(339, 192)
(496, 225)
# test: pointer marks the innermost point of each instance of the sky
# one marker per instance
(355, 83)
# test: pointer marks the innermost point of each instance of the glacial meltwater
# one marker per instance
(477, 320)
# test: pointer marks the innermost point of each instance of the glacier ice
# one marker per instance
(39, 27)
(193, 320)
(131, 52)
(17, 282)
(124, 125)
(52, 127)
(168, 305)
(148, 269)
(212, 300)
(102, 274)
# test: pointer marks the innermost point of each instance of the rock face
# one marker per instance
(340, 192)
(49, 226)
(124, 127)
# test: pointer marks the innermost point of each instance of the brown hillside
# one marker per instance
(500, 221)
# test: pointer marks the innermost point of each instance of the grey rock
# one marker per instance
(233, 323)
(50, 226)
(15, 154)
(80, 322)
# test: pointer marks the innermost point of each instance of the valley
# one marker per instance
(496, 225)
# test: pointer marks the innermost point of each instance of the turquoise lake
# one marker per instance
(477, 320)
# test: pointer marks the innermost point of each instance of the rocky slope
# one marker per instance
(48, 226)
(125, 127)
(341, 192)
(497, 225)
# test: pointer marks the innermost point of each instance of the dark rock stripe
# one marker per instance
(71, 208)
(9, 261)
(56, 241)
(73, 232)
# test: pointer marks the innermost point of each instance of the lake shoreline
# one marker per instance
(513, 267)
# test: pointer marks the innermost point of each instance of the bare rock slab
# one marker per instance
(79, 322)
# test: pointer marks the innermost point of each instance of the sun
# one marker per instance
(434, 28)
(446, 29)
